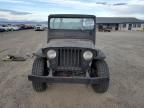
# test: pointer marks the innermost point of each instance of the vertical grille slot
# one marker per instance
(69, 57)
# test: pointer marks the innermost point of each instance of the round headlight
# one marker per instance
(51, 54)
(87, 55)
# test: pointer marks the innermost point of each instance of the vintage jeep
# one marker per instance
(70, 55)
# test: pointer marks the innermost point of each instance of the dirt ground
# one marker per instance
(125, 57)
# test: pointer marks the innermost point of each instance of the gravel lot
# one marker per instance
(125, 57)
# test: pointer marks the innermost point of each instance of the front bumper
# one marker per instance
(76, 80)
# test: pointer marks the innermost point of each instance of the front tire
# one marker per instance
(39, 69)
(100, 69)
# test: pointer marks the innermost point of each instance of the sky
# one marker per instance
(38, 10)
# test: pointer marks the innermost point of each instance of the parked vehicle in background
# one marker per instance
(2, 29)
(10, 27)
(5, 27)
(25, 26)
(107, 29)
(21, 26)
(104, 28)
(28, 26)
(39, 28)
(15, 28)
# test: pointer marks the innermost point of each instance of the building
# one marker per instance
(120, 23)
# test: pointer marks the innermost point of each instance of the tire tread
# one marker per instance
(38, 69)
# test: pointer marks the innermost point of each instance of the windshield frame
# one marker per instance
(71, 16)
(62, 21)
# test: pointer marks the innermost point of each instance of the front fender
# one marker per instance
(40, 53)
(99, 55)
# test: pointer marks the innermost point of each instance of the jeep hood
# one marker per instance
(71, 43)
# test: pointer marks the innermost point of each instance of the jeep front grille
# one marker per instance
(69, 58)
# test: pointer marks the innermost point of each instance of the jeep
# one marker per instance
(70, 55)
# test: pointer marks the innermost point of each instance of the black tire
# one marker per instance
(100, 69)
(39, 68)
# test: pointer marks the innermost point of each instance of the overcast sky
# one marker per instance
(38, 10)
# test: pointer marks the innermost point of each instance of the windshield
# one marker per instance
(72, 23)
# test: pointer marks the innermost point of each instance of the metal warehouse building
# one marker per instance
(120, 23)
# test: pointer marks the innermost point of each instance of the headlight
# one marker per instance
(51, 54)
(87, 55)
